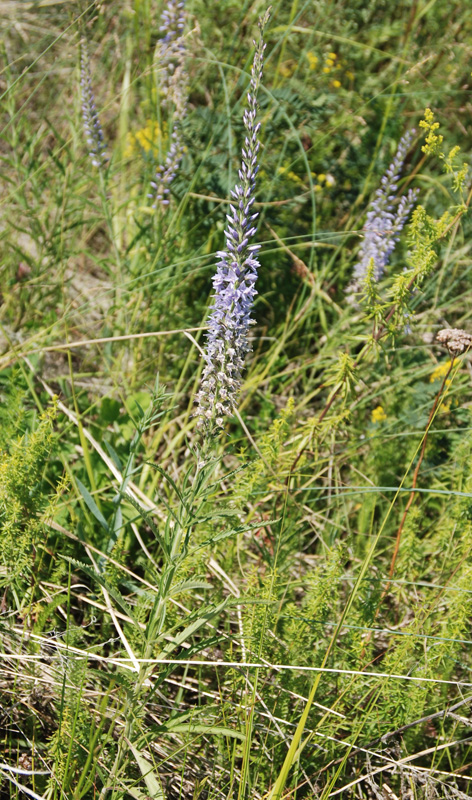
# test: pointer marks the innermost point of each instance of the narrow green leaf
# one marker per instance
(190, 727)
(151, 780)
(91, 505)
(242, 529)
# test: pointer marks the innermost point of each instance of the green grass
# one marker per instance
(188, 619)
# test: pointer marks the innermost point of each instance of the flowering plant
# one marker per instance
(234, 282)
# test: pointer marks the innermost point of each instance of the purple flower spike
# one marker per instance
(92, 127)
(234, 282)
(171, 48)
(174, 86)
(385, 219)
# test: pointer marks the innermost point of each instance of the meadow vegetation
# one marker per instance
(235, 511)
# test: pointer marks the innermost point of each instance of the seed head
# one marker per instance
(456, 340)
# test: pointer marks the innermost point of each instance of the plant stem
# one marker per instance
(413, 493)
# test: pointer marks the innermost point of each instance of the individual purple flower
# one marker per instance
(385, 218)
(234, 282)
(92, 127)
(173, 82)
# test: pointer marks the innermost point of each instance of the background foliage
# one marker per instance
(175, 625)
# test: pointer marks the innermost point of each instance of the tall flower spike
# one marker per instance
(234, 282)
(385, 219)
(174, 86)
(171, 48)
(92, 127)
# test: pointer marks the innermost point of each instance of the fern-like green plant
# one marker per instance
(24, 506)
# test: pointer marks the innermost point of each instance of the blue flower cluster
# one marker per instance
(174, 86)
(92, 127)
(234, 282)
(385, 218)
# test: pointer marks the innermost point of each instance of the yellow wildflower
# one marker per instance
(335, 84)
(378, 415)
(332, 55)
(312, 60)
(446, 405)
(321, 177)
(440, 371)
(329, 62)
(294, 177)
(146, 139)
(433, 140)
(326, 69)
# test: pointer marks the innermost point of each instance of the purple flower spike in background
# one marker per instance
(92, 127)
(171, 48)
(173, 82)
(166, 172)
(235, 279)
(385, 219)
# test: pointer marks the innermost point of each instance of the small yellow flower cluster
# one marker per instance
(446, 405)
(330, 62)
(437, 374)
(434, 146)
(146, 139)
(440, 371)
(321, 179)
(327, 180)
(378, 415)
(433, 140)
(312, 60)
(289, 174)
